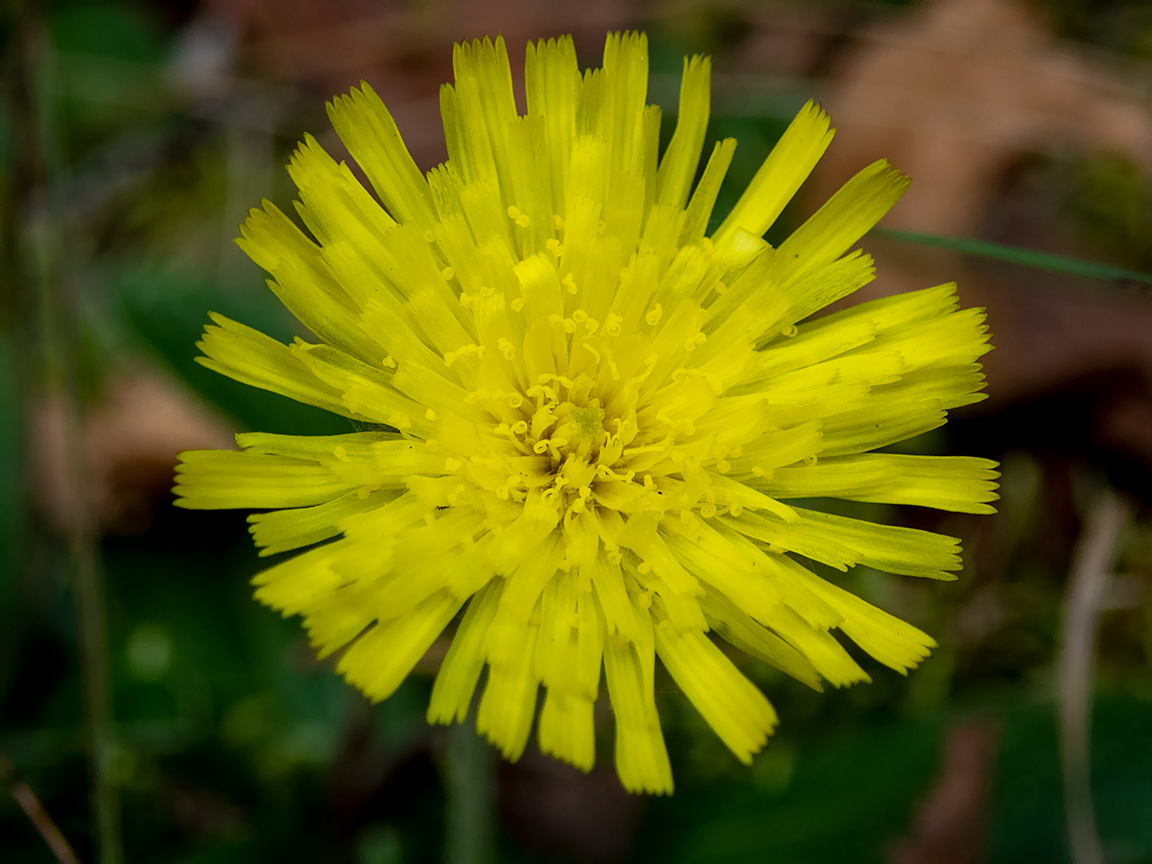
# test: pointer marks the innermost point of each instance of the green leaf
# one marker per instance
(167, 309)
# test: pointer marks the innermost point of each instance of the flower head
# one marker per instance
(588, 415)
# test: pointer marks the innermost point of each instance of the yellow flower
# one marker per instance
(587, 415)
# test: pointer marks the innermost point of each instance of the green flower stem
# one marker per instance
(471, 779)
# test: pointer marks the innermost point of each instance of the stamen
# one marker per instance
(518, 217)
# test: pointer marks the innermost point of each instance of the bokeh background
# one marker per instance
(133, 138)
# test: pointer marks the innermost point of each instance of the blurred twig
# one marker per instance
(36, 813)
(1092, 565)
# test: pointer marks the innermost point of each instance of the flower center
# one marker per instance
(564, 431)
(615, 435)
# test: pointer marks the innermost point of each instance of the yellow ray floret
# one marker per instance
(587, 426)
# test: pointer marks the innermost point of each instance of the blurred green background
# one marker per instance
(133, 138)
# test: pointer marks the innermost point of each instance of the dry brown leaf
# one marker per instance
(129, 444)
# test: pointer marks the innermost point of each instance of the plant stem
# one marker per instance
(41, 254)
(1018, 255)
(471, 786)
